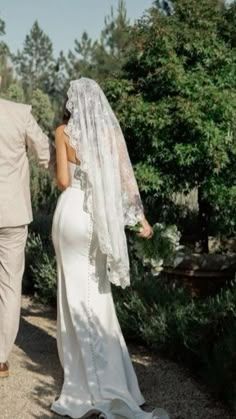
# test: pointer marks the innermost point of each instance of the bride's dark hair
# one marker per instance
(66, 113)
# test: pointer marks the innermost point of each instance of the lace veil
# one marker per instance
(111, 192)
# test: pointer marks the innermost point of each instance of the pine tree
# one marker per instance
(178, 104)
(115, 33)
(164, 5)
(35, 63)
(5, 69)
(105, 56)
(228, 25)
(110, 51)
(2, 27)
(80, 61)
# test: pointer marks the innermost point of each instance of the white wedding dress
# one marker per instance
(98, 373)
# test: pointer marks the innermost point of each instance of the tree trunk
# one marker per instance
(204, 219)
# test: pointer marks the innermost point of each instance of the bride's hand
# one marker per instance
(146, 231)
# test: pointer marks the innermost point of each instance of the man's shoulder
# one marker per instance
(16, 106)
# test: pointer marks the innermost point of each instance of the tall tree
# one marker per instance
(15, 92)
(106, 55)
(227, 26)
(2, 32)
(2, 27)
(35, 63)
(115, 34)
(110, 53)
(164, 5)
(59, 85)
(81, 60)
(178, 104)
(5, 69)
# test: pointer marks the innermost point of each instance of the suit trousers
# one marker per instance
(12, 263)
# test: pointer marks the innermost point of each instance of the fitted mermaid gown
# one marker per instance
(98, 373)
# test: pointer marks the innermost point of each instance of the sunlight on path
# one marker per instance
(36, 375)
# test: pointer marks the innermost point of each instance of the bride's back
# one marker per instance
(71, 154)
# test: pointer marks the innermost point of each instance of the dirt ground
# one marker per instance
(36, 375)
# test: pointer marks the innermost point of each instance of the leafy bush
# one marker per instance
(176, 100)
(42, 110)
(44, 276)
(43, 190)
(200, 333)
(41, 269)
(15, 92)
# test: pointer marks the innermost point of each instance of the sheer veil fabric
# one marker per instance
(111, 192)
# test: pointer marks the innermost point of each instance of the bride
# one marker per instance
(100, 197)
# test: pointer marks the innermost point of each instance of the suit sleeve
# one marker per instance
(37, 141)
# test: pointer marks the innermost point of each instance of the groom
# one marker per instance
(18, 132)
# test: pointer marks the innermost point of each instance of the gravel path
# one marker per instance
(36, 376)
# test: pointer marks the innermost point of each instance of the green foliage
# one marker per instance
(42, 110)
(163, 5)
(105, 56)
(15, 92)
(200, 333)
(111, 49)
(35, 63)
(139, 121)
(5, 69)
(180, 68)
(80, 60)
(227, 26)
(2, 27)
(222, 196)
(3, 46)
(148, 176)
(41, 268)
(43, 189)
(180, 110)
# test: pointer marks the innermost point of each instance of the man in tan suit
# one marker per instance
(18, 132)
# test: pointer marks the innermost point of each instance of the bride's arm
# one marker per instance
(62, 175)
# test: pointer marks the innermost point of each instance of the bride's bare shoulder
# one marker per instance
(60, 129)
(60, 133)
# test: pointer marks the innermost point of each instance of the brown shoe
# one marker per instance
(4, 369)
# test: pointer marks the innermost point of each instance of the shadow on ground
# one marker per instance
(38, 372)
(38, 342)
(42, 361)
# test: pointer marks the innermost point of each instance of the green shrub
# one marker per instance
(40, 273)
(44, 276)
(200, 333)
(43, 190)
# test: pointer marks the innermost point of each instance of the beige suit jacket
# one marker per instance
(18, 132)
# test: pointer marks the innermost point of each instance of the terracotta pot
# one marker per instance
(203, 274)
